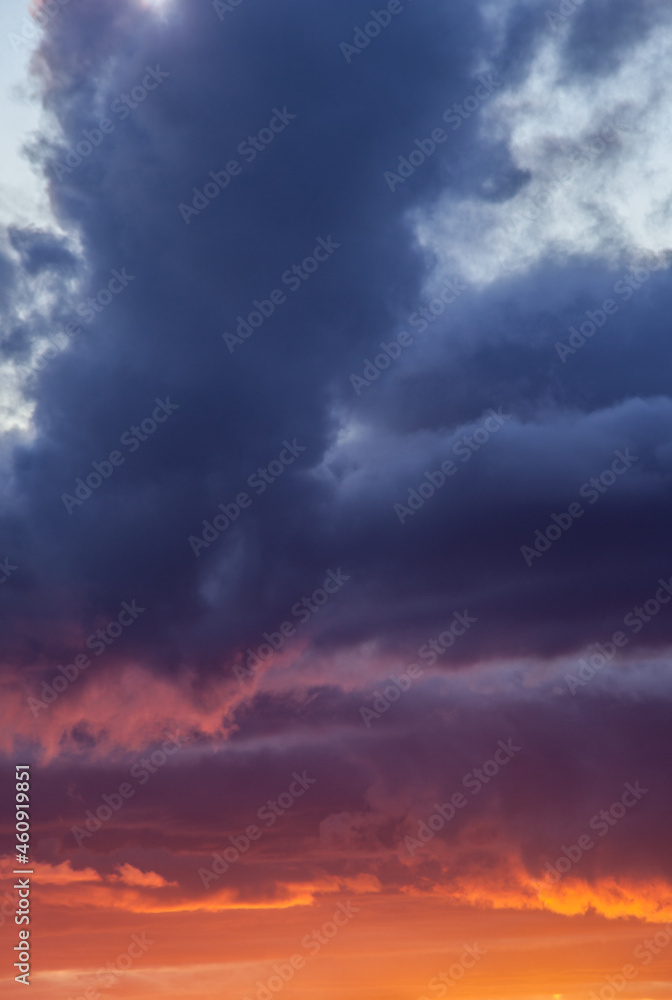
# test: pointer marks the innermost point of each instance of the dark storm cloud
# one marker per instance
(365, 790)
(184, 285)
(40, 251)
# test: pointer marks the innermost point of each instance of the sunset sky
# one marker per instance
(336, 478)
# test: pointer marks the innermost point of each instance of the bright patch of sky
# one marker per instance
(610, 200)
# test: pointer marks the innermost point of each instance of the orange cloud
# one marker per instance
(46, 874)
(133, 876)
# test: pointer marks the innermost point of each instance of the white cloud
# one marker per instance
(613, 203)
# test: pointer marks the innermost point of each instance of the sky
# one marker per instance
(23, 195)
(335, 474)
